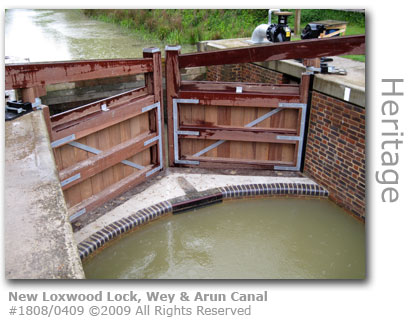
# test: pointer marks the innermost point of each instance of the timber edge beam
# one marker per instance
(314, 48)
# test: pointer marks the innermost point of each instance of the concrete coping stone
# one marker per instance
(151, 50)
(172, 48)
(39, 242)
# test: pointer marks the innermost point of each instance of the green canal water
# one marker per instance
(244, 239)
(60, 35)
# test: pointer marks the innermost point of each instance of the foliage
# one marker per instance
(188, 26)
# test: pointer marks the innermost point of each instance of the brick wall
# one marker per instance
(335, 151)
(247, 72)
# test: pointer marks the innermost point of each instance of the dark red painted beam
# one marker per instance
(230, 87)
(29, 75)
(313, 48)
(213, 98)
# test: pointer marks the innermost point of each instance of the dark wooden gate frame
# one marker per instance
(242, 94)
(67, 127)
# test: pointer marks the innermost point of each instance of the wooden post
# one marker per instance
(46, 115)
(297, 22)
(305, 87)
(312, 62)
(153, 81)
(30, 94)
(172, 90)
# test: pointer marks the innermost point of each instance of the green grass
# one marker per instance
(356, 57)
(189, 26)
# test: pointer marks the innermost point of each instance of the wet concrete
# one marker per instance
(38, 237)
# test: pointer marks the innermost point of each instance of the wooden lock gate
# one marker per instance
(248, 125)
(104, 148)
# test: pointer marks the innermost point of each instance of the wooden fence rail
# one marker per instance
(103, 148)
(250, 125)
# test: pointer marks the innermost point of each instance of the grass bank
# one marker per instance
(188, 26)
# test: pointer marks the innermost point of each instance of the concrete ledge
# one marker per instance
(39, 240)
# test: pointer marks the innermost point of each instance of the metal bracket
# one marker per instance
(77, 214)
(62, 141)
(96, 151)
(188, 133)
(151, 107)
(177, 132)
(147, 142)
(158, 137)
(70, 179)
(248, 125)
(327, 70)
(299, 138)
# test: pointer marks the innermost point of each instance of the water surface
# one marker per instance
(245, 239)
(59, 35)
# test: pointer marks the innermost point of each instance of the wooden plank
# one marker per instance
(125, 130)
(288, 152)
(154, 79)
(262, 149)
(210, 119)
(144, 128)
(58, 159)
(97, 180)
(101, 120)
(86, 186)
(223, 118)
(40, 74)
(73, 195)
(115, 140)
(231, 87)
(136, 130)
(287, 131)
(258, 163)
(313, 48)
(111, 191)
(185, 117)
(237, 120)
(243, 135)
(46, 115)
(95, 107)
(100, 162)
(305, 87)
(198, 115)
(104, 144)
(251, 148)
(172, 90)
(240, 100)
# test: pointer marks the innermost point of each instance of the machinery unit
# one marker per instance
(270, 32)
(279, 32)
(323, 29)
